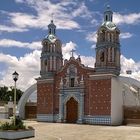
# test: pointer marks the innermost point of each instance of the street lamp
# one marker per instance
(15, 78)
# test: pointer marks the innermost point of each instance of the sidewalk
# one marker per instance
(59, 131)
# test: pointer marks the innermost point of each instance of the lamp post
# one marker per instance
(15, 78)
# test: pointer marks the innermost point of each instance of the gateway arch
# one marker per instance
(23, 100)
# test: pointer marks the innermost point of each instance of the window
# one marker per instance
(102, 56)
(49, 31)
(72, 82)
(106, 17)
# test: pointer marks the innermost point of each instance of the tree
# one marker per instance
(6, 92)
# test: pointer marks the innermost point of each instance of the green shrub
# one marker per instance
(10, 125)
(5, 126)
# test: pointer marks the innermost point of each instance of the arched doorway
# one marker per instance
(71, 110)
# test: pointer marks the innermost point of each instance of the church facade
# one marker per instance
(71, 92)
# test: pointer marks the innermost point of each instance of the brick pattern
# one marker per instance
(44, 98)
(100, 97)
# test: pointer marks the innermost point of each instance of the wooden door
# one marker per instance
(71, 111)
(132, 115)
(30, 111)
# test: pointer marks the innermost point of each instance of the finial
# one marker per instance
(52, 16)
(82, 77)
(79, 56)
(108, 7)
(72, 51)
(61, 82)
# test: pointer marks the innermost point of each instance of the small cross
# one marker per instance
(72, 51)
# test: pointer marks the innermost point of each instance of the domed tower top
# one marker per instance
(51, 28)
(108, 14)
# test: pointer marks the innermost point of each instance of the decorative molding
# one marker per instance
(102, 76)
(106, 120)
(47, 80)
(45, 117)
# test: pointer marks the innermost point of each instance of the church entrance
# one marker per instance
(71, 111)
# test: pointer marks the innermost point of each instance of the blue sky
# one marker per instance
(23, 24)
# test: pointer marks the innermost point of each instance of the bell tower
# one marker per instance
(51, 56)
(108, 46)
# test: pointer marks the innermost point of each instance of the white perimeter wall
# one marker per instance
(116, 101)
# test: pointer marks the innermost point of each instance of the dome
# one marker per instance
(109, 25)
(52, 38)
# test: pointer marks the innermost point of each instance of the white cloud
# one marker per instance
(88, 61)
(14, 43)
(44, 9)
(19, 1)
(82, 11)
(132, 18)
(126, 35)
(4, 28)
(92, 37)
(66, 49)
(130, 64)
(94, 22)
(27, 67)
(23, 20)
(93, 46)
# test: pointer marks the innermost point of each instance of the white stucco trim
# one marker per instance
(116, 101)
(23, 100)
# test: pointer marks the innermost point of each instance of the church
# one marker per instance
(68, 91)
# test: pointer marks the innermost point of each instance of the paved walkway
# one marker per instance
(59, 131)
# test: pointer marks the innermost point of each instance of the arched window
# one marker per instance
(49, 31)
(110, 54)
(102, 55)
(106, 17)
(72, 82)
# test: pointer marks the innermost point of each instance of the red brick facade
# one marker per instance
(97, 98)
(100, 97)
(44, 98)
